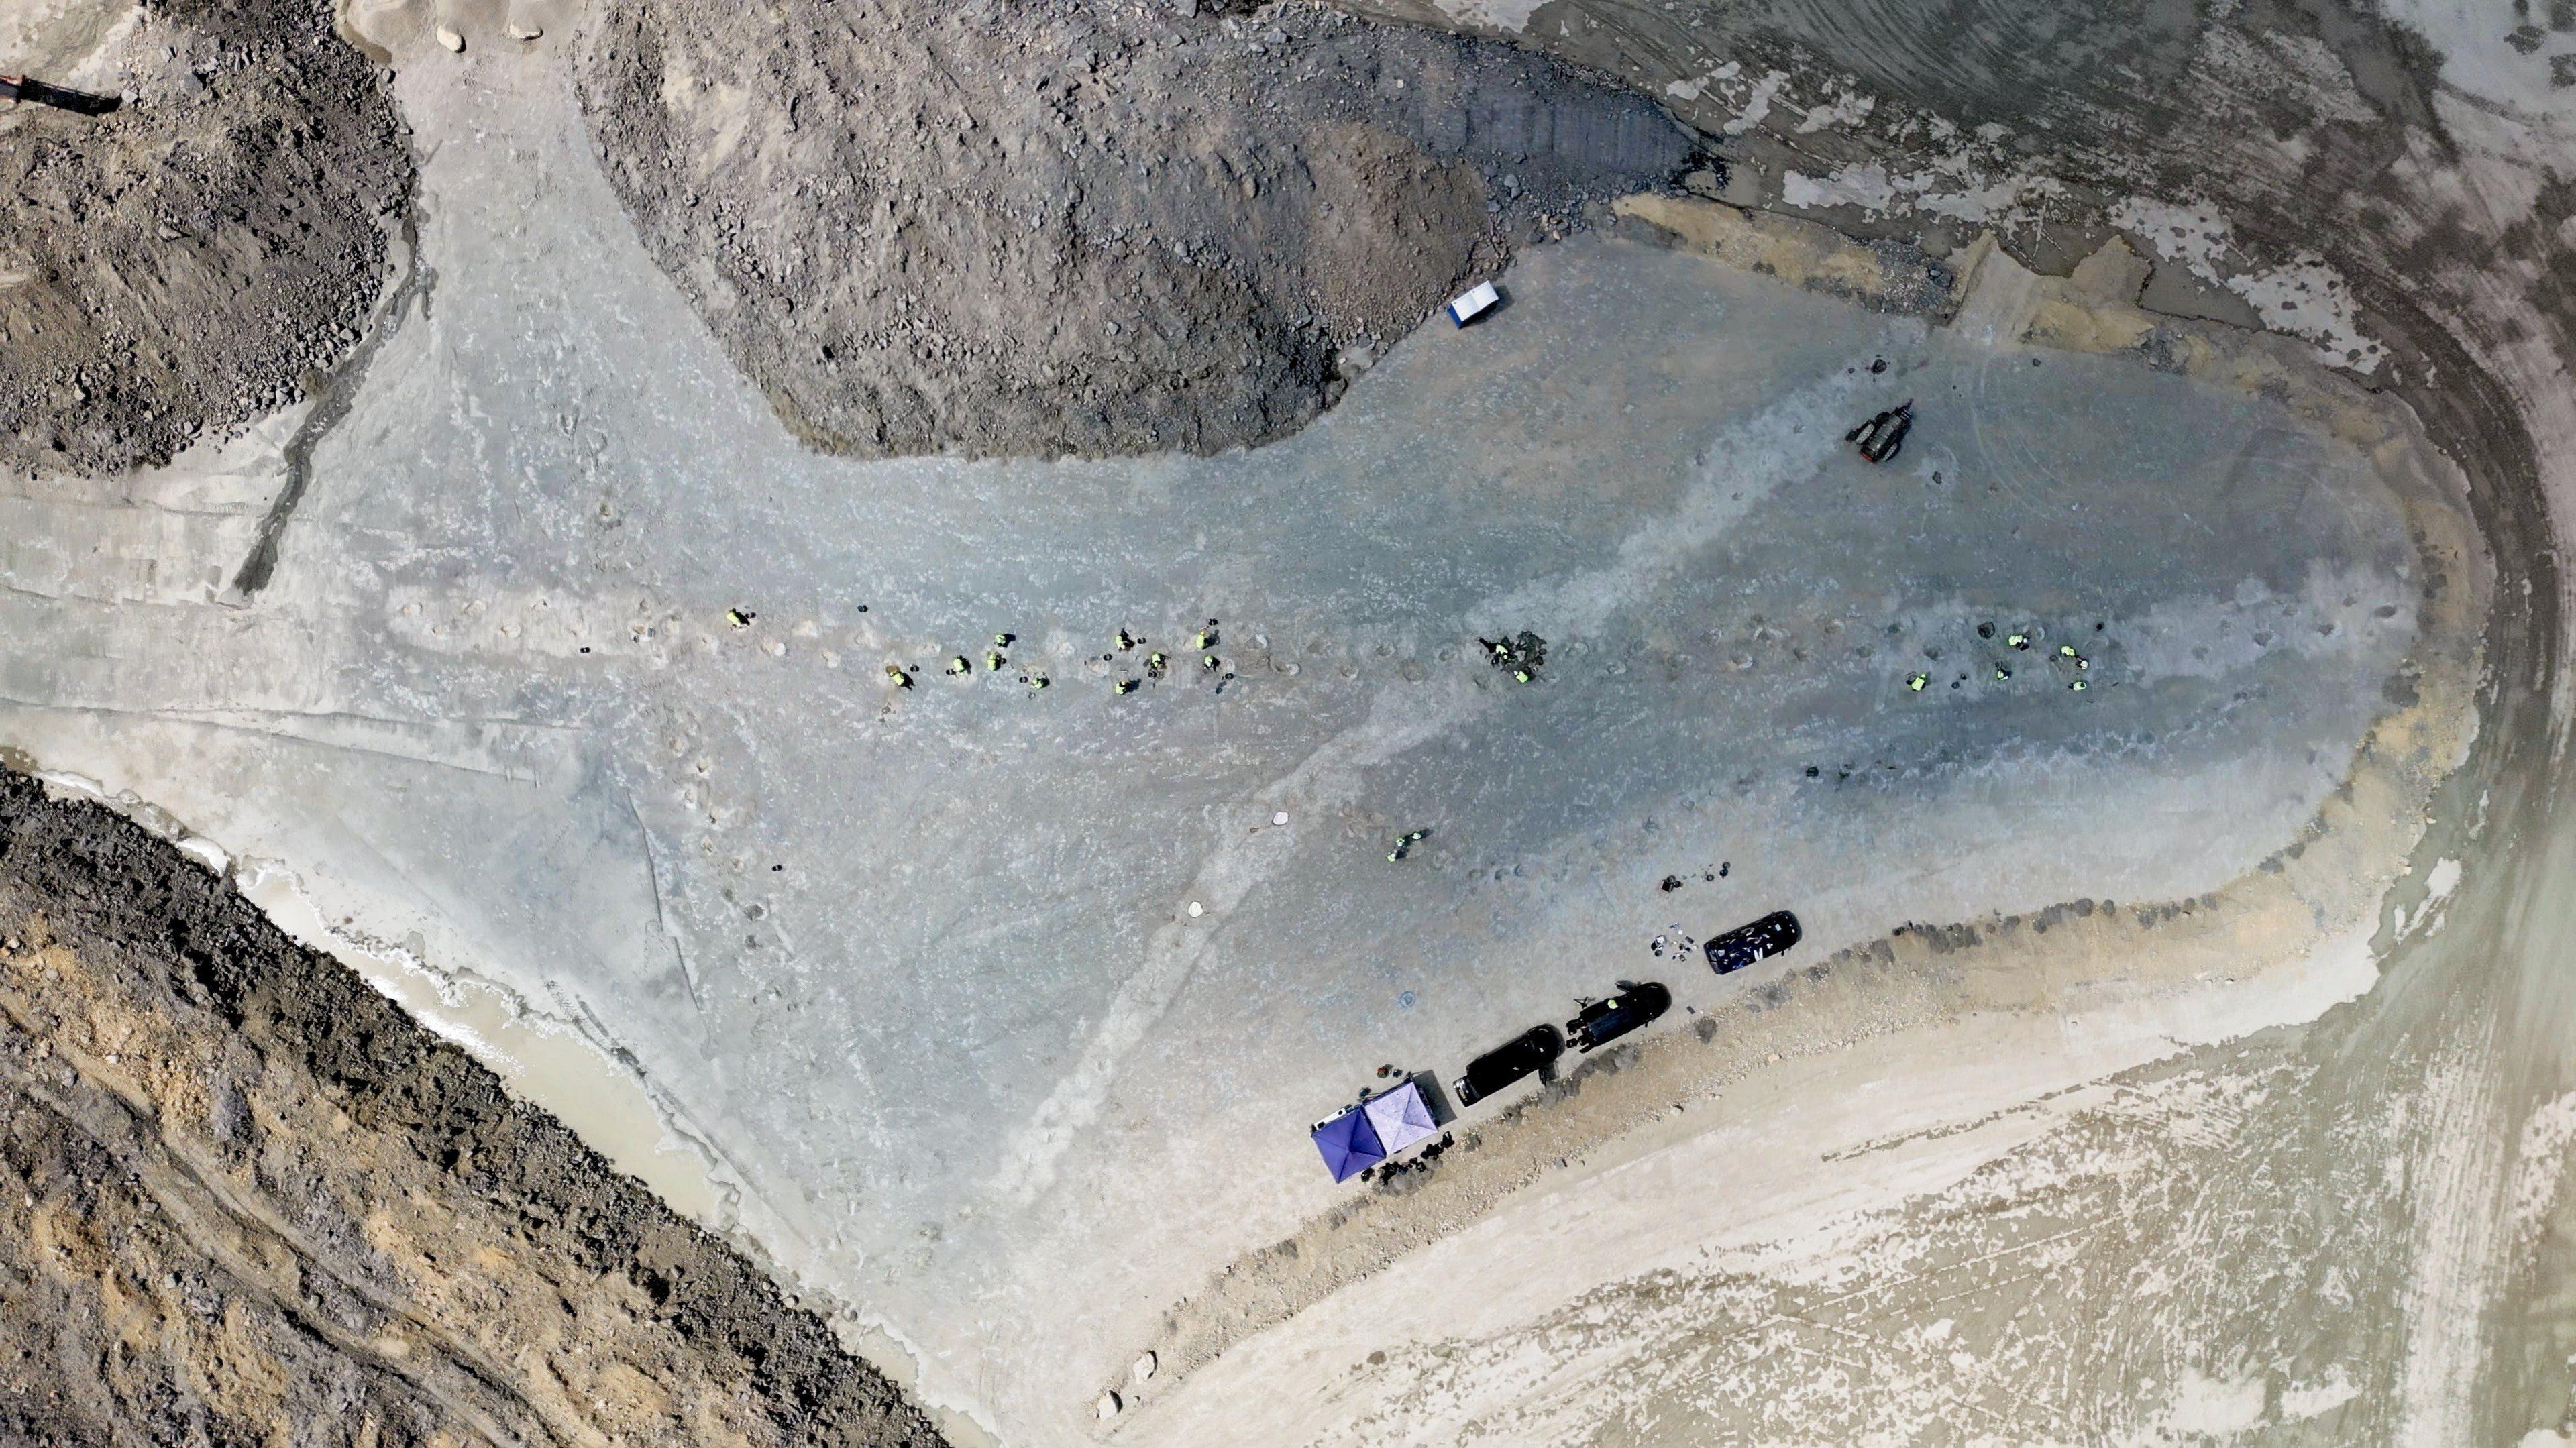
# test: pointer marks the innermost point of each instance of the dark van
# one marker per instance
(1532, 1050)
(1602, 1022)
(1746, 944)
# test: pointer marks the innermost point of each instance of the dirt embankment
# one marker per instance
(1066, 228)
(196, 257)
(245, 1195)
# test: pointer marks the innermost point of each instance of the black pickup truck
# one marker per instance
(1535, 1049)
(1636, 1004)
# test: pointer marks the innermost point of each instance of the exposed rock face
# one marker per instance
(245, 1198)
(1075, 228)
(197, 257)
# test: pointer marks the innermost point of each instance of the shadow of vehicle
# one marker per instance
(61, 98)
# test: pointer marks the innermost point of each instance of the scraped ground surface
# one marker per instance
(1000, 1012)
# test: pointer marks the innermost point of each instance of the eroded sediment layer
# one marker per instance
(197, 257)
(1084, 229)
(242, 1192)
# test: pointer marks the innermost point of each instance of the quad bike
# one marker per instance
(1881, 436)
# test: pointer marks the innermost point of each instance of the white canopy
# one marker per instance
(1401, 1117)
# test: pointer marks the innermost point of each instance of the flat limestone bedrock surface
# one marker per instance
(985, 888)
(199, 257)
(2061, 1009)
(245, 1193)
(1937, 1367)
(2440, 214)
(1092, 229)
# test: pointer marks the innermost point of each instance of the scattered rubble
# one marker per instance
(1056, 228)
(203, 254)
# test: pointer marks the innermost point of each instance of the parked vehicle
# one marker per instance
(1746, 944)
(1473, 303)
(1602, 1022)
(1532, 1050)
(1881, 436)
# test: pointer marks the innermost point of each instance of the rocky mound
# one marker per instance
(244, 1199)
(1082, 228)
(192, 259)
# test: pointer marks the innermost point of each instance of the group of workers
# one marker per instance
(2018, 640)
(1157, 663)
(1519, 656)
(1880, 437)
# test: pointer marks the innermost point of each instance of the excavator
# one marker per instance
(15, 88)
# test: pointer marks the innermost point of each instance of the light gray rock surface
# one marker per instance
(918, 967)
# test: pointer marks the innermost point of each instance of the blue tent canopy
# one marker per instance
(1349, 1144)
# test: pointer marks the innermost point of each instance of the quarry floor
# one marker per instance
(993, 1016)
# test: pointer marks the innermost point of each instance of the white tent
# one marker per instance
(1401, 1117)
